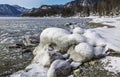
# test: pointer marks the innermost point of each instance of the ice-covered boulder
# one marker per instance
(87, 43)
(85, 51)
(74, 55)
(60, 68)
(59, 39)
(78, 30)
(100, 51)
(55, 36)
(94, 38)
(47, 56)
(42, 58)
(76, 39)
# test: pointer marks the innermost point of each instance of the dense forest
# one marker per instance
(80, 8)
(103, 8)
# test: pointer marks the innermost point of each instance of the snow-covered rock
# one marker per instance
(59, 39)
(94, 38)
(54, 36)
(100, 51)
(60, 68)
(46, 57)
(78, 30)
(76, 39)
(85, 51)
(88, 44)
(74, 55)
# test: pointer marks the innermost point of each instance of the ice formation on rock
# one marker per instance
(47, 56)
(85, 51)
(59, 38)
(82, 45)
(60, 68)
(78, 30)
(87, 43)
(94, 38)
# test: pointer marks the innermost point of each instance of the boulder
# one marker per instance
(60, 68)
(78, 30)
(85, 50)
(47, 56)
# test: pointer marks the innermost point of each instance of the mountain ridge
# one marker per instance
(81, 7)
(11, 10)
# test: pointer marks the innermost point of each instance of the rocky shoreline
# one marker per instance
(50, 55)
(19, 56)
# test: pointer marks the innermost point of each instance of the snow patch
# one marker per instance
(111, 21)
(33, 70)
(111, 37)
(111, 64)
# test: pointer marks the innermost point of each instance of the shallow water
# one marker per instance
(13, 30)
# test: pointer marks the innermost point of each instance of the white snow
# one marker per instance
(112, 40)
(61, 38)
(33, 70)
(85, 50)
(78, 30)
(111, 63)
(110, 35)
(94, 38)
(87, 44)
(111, 21)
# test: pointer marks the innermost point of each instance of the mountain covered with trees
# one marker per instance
(11, 10)
(78, 7)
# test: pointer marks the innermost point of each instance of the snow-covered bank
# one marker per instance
(81, 44)
(110, 35)
(112, 64)
(112, 39)
(111, 21)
